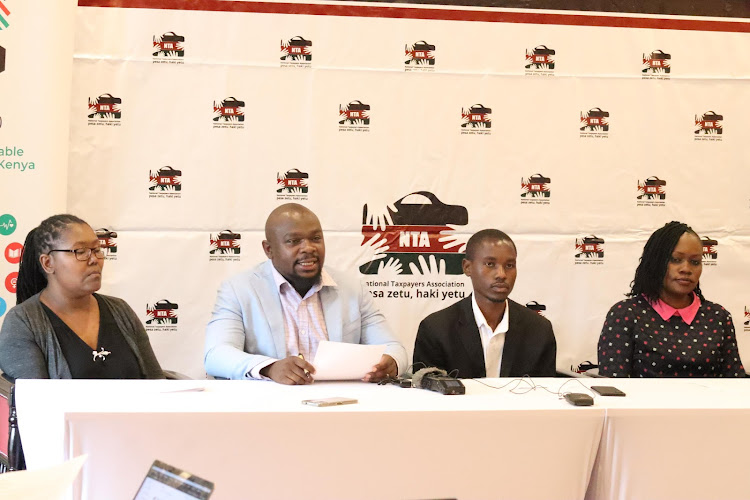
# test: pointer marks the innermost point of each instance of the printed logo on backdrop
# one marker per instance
(165, 183)
(169, 48)
(224, 246)
(296, 53)
(420, 56)
(107, 242)
(413, 246)
(535, 190)
(594, 123)
(292, 185)
(105, 110)
(7, 224)
(10, 282)
(13, 252)
(656, 65)
(229, 113)
(354, 117)
(12, 158)
(540, 61)
(536, 307)
(476, 120)
(708, 126)
(746, 323)
(161, 316)
(652, 192)
(2, 59)
(589, 250)
(710, 253)
(4, 13)
(3, 306)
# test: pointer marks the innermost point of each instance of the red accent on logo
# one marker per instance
(416, 239)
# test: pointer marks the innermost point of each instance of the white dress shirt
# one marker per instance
(492, 341)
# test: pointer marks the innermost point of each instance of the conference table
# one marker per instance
(517, 439)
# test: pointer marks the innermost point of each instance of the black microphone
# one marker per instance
(435, 379)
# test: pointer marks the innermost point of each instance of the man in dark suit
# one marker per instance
(487, 334)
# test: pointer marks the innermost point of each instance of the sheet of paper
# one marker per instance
(42, 484)
(342, 361)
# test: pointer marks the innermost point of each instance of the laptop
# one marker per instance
(164, 482)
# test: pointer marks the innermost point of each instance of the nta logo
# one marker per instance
(595, 120)
(656, 62)
(708, 123)
(710, 253)
(418, 229)
(296, 49)
(420, 53)
(354, 113)
(106, 106)
(540, 58)
(536, 307)
(652, 188)
(163, 312)
(589, 247)
(170, 44)
(536, 186)
(107, 240)
(229, 110)
(476, 116)
(165, 179)
(226, 242)
(293, 181)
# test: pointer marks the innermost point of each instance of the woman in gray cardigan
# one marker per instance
(61, 328)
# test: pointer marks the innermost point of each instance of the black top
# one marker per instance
(120, 363)
(636, 342)
(450, 339)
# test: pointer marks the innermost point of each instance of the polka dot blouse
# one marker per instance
(636, 342)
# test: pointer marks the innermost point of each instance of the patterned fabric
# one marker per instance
(304, 323)
(637, 342)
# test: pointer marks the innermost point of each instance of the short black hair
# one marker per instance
(485, 235)
(649, 275)
(31, 277)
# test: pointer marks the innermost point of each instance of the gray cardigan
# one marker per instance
(29, 346)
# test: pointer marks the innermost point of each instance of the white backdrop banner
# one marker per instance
(406, 129)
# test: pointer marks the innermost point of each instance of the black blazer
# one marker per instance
(449, 339)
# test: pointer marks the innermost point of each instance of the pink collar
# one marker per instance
(686, 313)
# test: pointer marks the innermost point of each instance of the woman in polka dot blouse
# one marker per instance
(666, 328)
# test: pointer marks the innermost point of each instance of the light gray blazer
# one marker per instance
(29, 346)
(247, 325)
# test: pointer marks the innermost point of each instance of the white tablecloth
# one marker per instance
(256, 440)
(675, 439)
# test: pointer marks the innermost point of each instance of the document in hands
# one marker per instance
(342, 361)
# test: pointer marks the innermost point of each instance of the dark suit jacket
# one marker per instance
(449, 339)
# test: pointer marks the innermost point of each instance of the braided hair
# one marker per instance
(649, 276)
(31, 277)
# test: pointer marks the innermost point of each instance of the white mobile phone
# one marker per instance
(329, 401)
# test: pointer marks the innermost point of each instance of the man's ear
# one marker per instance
(466, 265)
(46, 261)
(267, 248)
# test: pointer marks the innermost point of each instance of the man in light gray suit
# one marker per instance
(266, 321)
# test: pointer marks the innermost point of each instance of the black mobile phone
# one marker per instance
(607, 390)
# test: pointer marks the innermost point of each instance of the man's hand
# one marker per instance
(290, 371)
(386, 368)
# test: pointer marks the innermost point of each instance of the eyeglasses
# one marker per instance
(84, 253)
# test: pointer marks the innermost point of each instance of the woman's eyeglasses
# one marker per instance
(84, 253)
